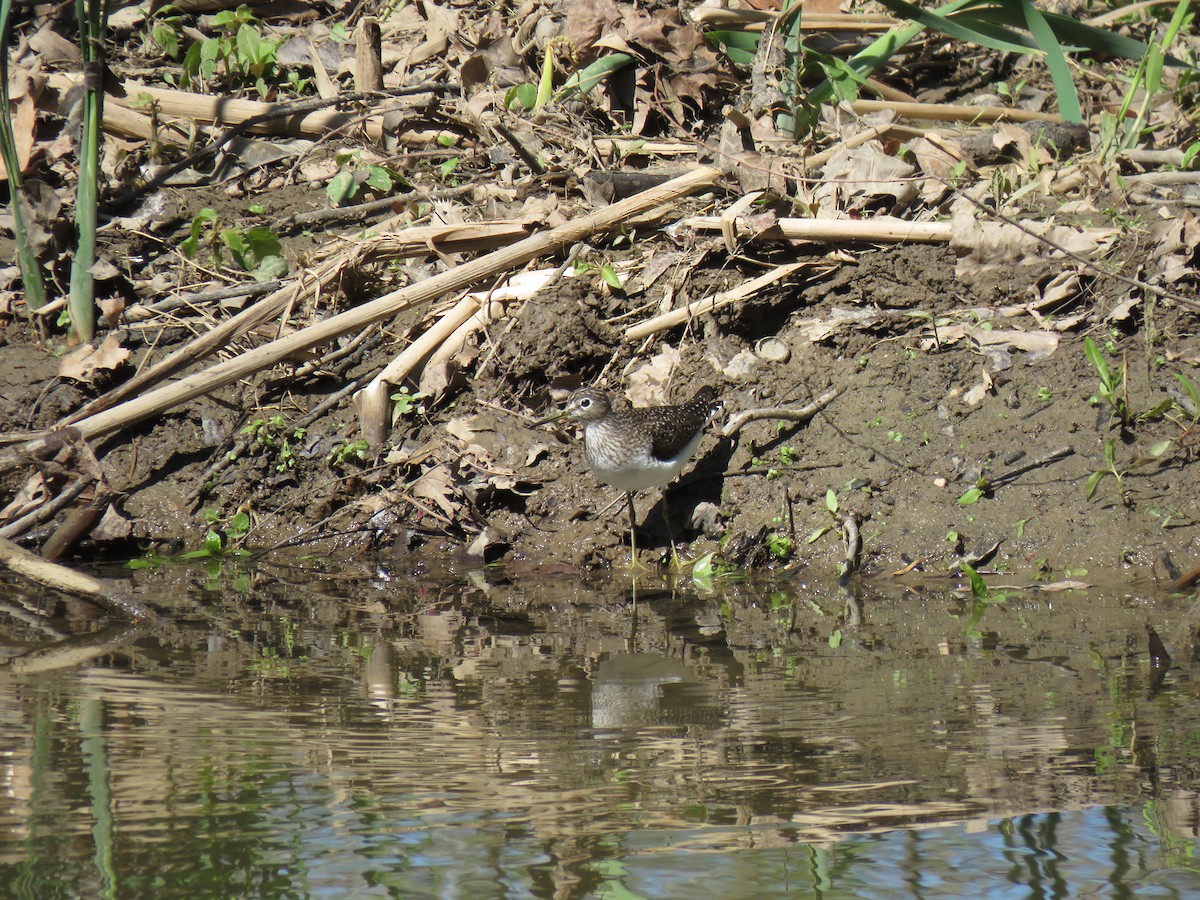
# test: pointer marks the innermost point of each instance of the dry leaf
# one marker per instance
(23, 91)
(31, 495)
(82, 363)
(114, 525)
(864, 177)
(437, 487)
(111, 309)
(988, 245)
(975, 395)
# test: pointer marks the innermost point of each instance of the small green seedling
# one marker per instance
(1110, 454)
(707, 569)
(780, 546)
(166, 31)
(273, 434)
(610, 277)
(831, 505)
(351, 451)
(1112, 388)
(1188, 404)
(256, 250)
(982, 597)
(239, 53)
(980, 489)
(408, 403)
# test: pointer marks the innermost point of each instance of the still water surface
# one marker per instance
(300, 734)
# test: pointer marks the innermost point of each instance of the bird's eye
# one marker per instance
(585, 402)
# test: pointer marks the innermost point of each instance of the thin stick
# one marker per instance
(711, 303)
(878, 228)
(787, 413)
(60, 578)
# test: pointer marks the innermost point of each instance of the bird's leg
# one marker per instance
(670, 536)
(633, 561)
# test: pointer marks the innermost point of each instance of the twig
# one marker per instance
(270, 112)
(1013, 474)
(853, 546)
(712, 303)
(362, 211)
(877, 228)
(140, 311)
(60, 578)
(787, 413)
(76, 650)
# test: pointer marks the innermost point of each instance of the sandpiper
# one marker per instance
(641, 448)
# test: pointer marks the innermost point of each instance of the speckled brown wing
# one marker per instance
(673, 427)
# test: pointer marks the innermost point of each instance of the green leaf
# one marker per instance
(1073, 32)
(210, 51)
(703, 572)
(1056, 63)
(1186, 383)
(958, 27)
(167, 39)
(524, 95)
(1161, 447)
(247, 43)
(831, 501)
(379, 179)
(978, 587)
(235, 240)
(262, 242)
(341, 187)
(1096, 358)
(835, 639)
(583, 81)
(212, 542)
(971, 496)
(816, 534)
(1093, 481)
(610, 277)
(270, 268)
(739, 46)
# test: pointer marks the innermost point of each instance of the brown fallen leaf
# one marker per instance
(32, 494)
(23, 91)
(82, 363)
(437, 487)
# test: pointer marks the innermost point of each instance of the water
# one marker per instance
(299, 733)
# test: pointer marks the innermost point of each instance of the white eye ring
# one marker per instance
(585, 402)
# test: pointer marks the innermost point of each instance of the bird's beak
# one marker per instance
(548, 419)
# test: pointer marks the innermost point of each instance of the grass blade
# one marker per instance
(883, 48)
(586, 79)
(957, 27)
(1056, 63)
(81, 303)
(31, 271)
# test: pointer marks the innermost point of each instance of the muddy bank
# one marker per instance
(927, 410)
